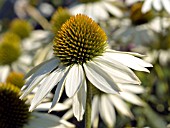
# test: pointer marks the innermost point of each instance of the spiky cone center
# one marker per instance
(59, 17)
(13, 111)
(16, 79)
(79, 40)
(136, 15)
(9, 52)
(21, 27)
(88, 1)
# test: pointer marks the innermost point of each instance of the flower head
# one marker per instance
(9, 52)
(81, 56)
(16, 78)
(137, 16)
(14, 112)
(59, 17)
(21, 27)
(79, 40)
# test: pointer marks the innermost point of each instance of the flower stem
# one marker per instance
(88, 106)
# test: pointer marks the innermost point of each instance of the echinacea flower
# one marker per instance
(14, 112)
(81, 56)
(158, 5)
(97, 9)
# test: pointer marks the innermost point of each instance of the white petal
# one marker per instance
(4, 71)
(32, 85)
(113, 9)
(41, 120)
(132, 98)
(46, 106)
(107, 111)
(166, 5)
(120, 105)
(77, 9)
(41, 71)
(74, 80)
(47, 86)
(157, 5)
(137, 89)
(99, 12)
(59, 90)
(79, 102)
(118, 72)
(130, 61)
(43, 67)
(147, 6)
(130, 53)
(95, 108)
(100, 79)
(68, 115)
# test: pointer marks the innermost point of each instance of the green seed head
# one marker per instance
(59, 17)
(88, 1)
(79, 40)
(11, 37)
(9, 52)
(16, 78)
(21, 27)
(137, 16)
(13, 111)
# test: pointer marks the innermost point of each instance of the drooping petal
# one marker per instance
(46, 106)
(113, 9)
(129, 60)
(78, 9)
(41, 120)
(4, 71)
(47, 86)
(132, 98)
(44, 67)
(119, 72)
(121, 52)
(137, 89)
(166, 5)
(95, 108)
(59, 90)
(41, 71)
(100, 79)
(99, 12)
(79, 102)
(120, 105)
(157, 5)
(34, 83)
(74, 80)
(68, 115)
(147, 6)
(107, 111)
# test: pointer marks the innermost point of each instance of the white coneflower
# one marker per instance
(81, 57)
(97, 9)
(14, 112)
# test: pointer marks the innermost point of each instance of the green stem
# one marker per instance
(88, 106)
